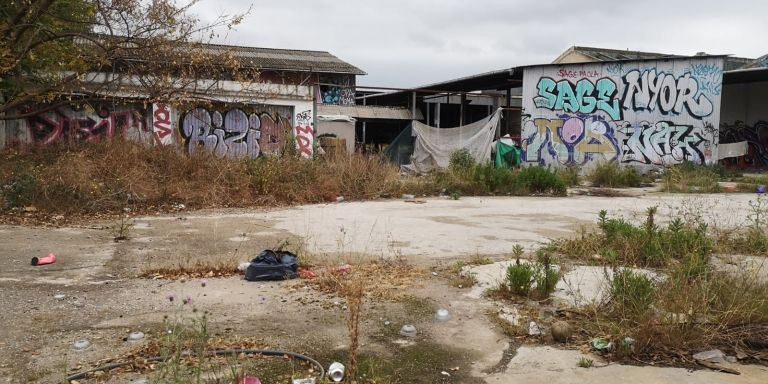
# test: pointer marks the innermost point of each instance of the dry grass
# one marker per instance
(391, 278)
(117, 174)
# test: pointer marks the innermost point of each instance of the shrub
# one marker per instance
(570, 175)
(613, 175)
(545, 276)
(20, 188)
(461, 160)
(541, 180)
(631, 291)
(520, 278)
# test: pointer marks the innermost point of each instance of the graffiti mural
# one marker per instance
(642, 113)
(161, 124)
(233, 133)
(756, 137)
(337, 89)
(572, 140)
(86, 123)
(662, 143)
(304, 133)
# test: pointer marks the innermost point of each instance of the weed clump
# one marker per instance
(688, 177)
(647, 244)
(542, 275)
(613, 175)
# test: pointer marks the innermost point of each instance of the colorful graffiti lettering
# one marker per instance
(68, 124)
(663, 142)
(756, 137)
(572, 140)
(304, 133)
(161, 124)
(649, 89)
(583, 97)
(232, 133)
(338, 95)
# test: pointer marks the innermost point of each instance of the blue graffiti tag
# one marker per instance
(584, 97)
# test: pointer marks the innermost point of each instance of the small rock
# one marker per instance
(387, 323)
(712, 356)
(59, 297)
(434, 273)
(561, 331)
(444, 373)
(81, 345)
(533, 329)
(731, 359)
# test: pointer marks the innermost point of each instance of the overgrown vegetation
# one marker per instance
(648, 245)
(685, 306)
(465, 177)
(688, 177)
(114, 175)
(117, 174)
(614, 175)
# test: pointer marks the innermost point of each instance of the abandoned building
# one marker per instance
(592, 105)
(292, 89)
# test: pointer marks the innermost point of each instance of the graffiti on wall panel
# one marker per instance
(641, 112)
(572, 140)
(304, 133)
(756, 137)
(650, 90)
(85, 124)
(161, 124)
(233, 133)
(662, 143)
(582, 97)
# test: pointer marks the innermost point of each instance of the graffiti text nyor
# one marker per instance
(583, 97)
(649, 89)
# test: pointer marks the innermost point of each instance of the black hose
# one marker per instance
(221, 352)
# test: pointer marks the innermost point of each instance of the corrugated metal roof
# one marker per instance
(256, 57)
(368, 112)
(286, 59)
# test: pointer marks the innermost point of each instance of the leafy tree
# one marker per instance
(55, 51)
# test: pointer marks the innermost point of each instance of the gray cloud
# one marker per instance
(408, 43)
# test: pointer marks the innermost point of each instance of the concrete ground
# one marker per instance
(103, 300)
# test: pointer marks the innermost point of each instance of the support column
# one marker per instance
(507, 112)
(362, 150)
(462, 118)
(413, 105)
(437, 114)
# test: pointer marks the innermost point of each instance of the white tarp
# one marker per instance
(434, 146)
(725, 151)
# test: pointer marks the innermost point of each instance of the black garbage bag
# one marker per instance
(272, 265)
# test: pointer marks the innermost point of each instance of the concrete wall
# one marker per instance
(641, 113)
(342, 130)
(744, 117)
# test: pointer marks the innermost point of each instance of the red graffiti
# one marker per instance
(577, 74)
(304, 140)
(73, 126)
(161, 123)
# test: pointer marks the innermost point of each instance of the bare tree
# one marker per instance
(54, 52)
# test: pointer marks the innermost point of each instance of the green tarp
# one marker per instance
(507, 155)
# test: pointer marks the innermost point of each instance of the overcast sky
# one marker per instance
(402, 43)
